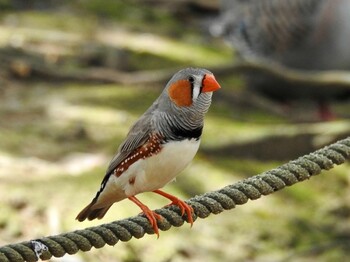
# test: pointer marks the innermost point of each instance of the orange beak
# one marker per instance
(210, 84)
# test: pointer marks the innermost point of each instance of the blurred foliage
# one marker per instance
(5, 5)
(57, 137)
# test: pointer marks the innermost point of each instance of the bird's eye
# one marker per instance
(191, 79)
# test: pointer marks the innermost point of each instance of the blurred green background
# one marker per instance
(76, 74)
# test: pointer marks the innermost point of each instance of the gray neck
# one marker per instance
(184, 122)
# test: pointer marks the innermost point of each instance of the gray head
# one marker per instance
(185, 99)
(187, 89)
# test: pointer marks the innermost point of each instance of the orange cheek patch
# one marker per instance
(180, 93)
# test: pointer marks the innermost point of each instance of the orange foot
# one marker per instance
(177, 202)
(151, 215)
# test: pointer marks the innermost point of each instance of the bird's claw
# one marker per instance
(184, 208)
(150, 215)
(152, 218)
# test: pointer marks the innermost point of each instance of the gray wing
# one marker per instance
(138, 135)
(266, 27)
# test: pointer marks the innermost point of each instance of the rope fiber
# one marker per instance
(203, 205)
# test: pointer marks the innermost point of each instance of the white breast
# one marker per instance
(149, 174)
(156, 171)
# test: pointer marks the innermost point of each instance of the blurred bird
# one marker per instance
(158, 147)
(299, 34)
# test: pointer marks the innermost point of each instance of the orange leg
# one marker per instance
(177, 202)
(151, 215)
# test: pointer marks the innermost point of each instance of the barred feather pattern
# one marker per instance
(267, 26)
(185, 122)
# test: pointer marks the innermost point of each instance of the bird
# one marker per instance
(161, 143)
(298, 34)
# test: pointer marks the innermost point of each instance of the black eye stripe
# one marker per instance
(191, 80)
(201, 87)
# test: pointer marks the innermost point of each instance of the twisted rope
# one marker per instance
(203, 205)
